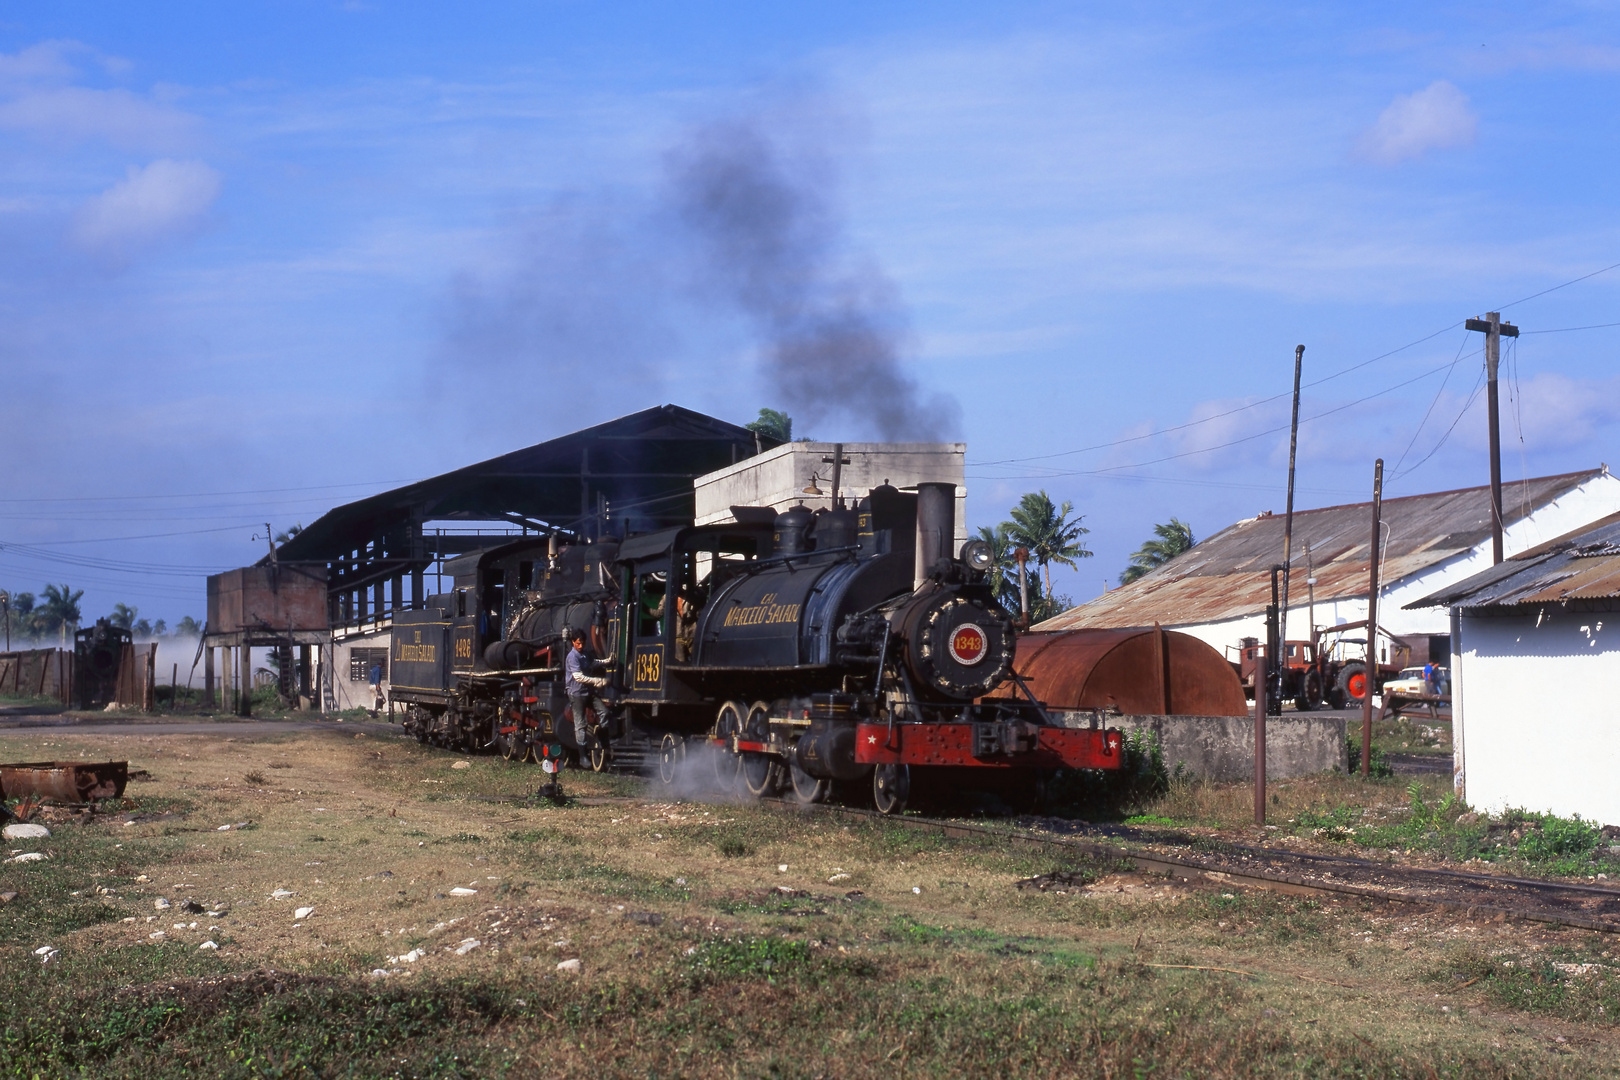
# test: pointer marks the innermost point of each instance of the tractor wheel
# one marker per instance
(1352, 684)
(1310, 692)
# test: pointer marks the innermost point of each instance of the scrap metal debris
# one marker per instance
(64, 781)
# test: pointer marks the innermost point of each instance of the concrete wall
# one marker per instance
(1535, 715)
(777, 477)
(336, 690)
(1222, 747)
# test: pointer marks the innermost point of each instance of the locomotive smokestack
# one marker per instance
(936, 527)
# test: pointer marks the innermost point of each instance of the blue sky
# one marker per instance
(252, 257)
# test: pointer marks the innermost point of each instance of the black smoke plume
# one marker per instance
(772, 242)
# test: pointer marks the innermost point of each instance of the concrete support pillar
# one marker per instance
(305, 691)
(208, 677)
(246, 689)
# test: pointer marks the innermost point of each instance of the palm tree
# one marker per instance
(1003, 568)
(773, 424)
(60, 609)
(1174, 537)
(123, 615)
(1046, 531)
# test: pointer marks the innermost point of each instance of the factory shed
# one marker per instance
(1218, 591)
(374, 557)
(1535, 667)
(631, 474)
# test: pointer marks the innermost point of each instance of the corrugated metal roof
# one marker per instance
(1226, 576)
(1582, 565)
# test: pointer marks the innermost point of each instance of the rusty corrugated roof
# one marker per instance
(1579, 566)
(1226, 576)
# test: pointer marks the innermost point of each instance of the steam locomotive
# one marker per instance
(801, 650)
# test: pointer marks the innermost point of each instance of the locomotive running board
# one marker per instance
(963, 745)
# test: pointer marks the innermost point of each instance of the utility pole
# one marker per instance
(1493, 328)
(1262, 699)
(1288, 520)
(1371, 672)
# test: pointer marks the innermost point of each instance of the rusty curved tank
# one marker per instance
(1137, 671)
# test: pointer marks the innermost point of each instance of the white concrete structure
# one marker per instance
(777, 478)
(1536, 678)
(1219, 590)
(344, 665)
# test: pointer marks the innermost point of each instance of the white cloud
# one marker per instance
(164, 199)
(72, 113)
(1434, 118)
(38, 96)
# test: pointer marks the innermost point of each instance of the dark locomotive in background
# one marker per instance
(804, 649)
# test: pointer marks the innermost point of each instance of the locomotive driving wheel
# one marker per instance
(599, 755)
(762, 774)
(806, 788)
(671, 752)
(728, 724)
(891, 787)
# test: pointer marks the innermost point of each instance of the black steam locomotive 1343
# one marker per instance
(802, 649)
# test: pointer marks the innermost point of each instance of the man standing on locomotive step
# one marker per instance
(579, 686)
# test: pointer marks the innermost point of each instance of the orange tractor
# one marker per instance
(1321, 671)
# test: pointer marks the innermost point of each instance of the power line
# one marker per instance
(1316, 382)
(1233, 442)
(1472, 397)
(1427, 412)
(210, 494)
(1571, 329)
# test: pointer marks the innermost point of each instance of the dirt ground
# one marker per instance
(316, 899)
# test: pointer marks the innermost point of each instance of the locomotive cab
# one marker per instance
(669, 577)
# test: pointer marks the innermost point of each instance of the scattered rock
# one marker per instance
(462, 765)
(207, 945)
(216, 914)
(191, 907)
(570, 967)
(161, 904)
(836, 878)
(1470, 818)
(460, 890)
(282, 894)
(157, 935)
(781, 868)
(645, 918)
(916, 890)
(408, 958)
(8, 896)
(112, 706)
(303, 913)
(47, 953)
(23, 831)
(467, 945)
(32, 856)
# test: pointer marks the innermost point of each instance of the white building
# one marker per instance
(1219, 590)
(1536, 677)
(780, 478)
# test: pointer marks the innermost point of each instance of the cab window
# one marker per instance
(651, 594)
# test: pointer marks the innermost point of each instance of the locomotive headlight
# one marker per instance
(978, 554)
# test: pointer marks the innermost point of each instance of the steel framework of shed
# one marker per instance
(630, 474)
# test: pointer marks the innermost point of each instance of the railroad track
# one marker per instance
(1473, 895)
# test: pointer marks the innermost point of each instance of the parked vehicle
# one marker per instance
(1329, 669)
